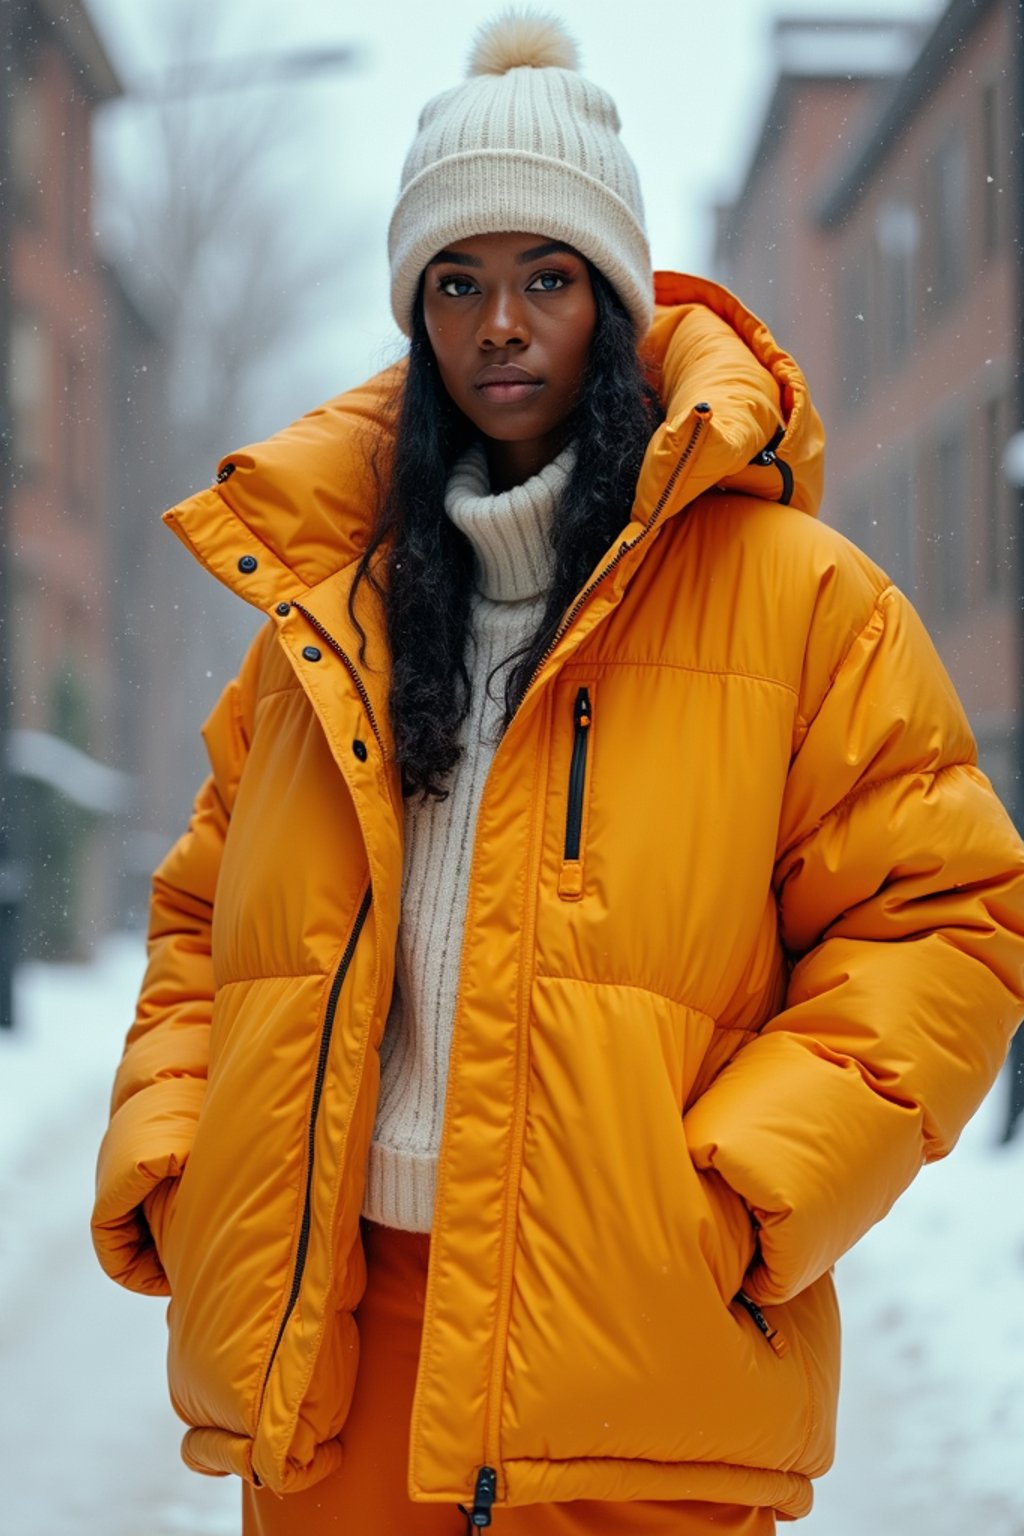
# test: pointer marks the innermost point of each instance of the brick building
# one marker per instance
(875, 234)
(830, 76)
(59, 348)
(74, 339)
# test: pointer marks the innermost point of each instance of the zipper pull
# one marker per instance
(773, 1335)
(582, 714)
(484, 1495)
(769, 458)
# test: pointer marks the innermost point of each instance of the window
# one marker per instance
(900, 518)
(999, 499)
(75, 431)
(75, 148)
(946, 219)
(861, 521)
(878, 515)
(29, 366)
(996, 192)
(949, 530)
(897, 231)
(853, 333)
(26, 145)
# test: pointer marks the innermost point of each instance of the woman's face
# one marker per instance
(510, 319)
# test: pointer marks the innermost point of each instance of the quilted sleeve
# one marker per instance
(900, 888)
(159, 1086)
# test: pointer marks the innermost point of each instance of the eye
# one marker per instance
(456, 287)
(548, 282)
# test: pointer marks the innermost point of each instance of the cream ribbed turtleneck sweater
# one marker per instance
(510, 536)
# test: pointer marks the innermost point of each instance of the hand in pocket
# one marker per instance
(728, 1237)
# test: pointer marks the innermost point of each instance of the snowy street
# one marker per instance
(932, 1422)
(88, 1440)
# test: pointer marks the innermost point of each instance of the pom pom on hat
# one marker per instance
(522, 38)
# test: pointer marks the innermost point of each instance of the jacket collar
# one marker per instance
(289, 514)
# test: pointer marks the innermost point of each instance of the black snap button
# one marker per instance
(284, 608)
(703, 406)
(248, 563)
(359, 748)
(311, 653)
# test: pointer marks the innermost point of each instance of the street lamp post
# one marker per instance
(11, 881)
(1013, 468)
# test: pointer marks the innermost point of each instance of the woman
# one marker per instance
(594, 916)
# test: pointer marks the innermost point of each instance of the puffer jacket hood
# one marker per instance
(699, 1047)
(303, 519)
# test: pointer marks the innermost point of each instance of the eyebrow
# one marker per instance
(550, 249)
(461, 258)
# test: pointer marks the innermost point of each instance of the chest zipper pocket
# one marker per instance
(570, 876)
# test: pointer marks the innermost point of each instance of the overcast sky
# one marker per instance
(690, 81)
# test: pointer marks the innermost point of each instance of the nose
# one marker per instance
(503, 321)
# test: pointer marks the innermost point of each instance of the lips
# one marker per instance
(504, 383)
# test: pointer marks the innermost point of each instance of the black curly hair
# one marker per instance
(430, 563)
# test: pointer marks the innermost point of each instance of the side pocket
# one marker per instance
(156, 1209)
(570, 876)
(769, 1333)
(727, 1237)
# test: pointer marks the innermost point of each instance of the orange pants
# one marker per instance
(366, 1496)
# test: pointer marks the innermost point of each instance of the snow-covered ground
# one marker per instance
(88, 1441)
(932, 1420)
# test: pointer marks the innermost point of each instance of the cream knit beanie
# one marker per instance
(525, 143)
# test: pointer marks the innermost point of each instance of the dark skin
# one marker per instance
(510, 317)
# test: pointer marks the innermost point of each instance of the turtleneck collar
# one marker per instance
(511, 532)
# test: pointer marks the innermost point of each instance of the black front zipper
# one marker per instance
(318, 1085)
(484, 1495)
(582, 719)
(480, 1514)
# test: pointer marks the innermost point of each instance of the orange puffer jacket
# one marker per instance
(740, 955)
